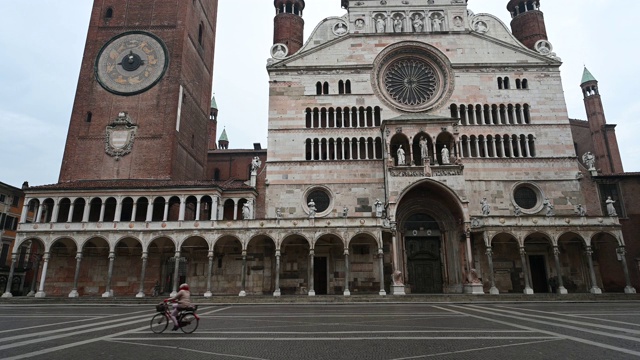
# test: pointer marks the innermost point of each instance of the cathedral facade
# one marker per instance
(414, 148)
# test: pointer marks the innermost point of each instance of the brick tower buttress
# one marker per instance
(288, 25)
(603, 135)
(527, 22)
(142, 104)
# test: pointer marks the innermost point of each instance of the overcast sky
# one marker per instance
(42, 41)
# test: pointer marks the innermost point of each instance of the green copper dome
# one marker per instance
(586, 76)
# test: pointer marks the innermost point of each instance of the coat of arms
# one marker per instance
(120, 136)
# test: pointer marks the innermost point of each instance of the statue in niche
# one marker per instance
(278, 214)
(424, 150)
(401, 158)
(359, 24)
(380, 25)
(589, 160)
(345, 212)
(436, 23)
(581, 210)
(397, 25)
(445, 155)
(312, 209)
(486, 209)
(548, 207)
(611, 210)
(246, 210)
(417, 23)
(340, 29)
(279, 51)
(378, 206)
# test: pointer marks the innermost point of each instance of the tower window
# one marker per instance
(325, 88)
(108, 14)
(89, 116)
(340, 87)
(318, 88)
(200, 34)
(347, 87)
(500, 83)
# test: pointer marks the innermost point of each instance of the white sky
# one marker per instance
(42, 41)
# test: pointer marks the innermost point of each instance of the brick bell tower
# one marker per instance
(527, 22)
(288, 25)
(603, 135)
(142, 106)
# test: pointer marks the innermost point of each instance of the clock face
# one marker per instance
(131, 63)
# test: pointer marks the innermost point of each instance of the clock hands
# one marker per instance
(131, 61)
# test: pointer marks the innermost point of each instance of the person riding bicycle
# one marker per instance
(181, 301)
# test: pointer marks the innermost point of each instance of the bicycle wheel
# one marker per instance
(188, 322)
(159, 323)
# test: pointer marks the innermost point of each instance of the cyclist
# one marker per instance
(181, 301)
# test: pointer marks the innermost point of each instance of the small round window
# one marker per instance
(526, 197)
(320, 198)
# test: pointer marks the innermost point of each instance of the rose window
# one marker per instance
(411, 82)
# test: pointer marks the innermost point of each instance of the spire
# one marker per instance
(214, 105)
(223, 142)
(586, 76)
(223, 136)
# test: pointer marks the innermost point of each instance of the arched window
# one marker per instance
(347, 117)
(323, 118)
(527, 114)
(347, 87)
(89, 116)
(332, 121)
(454, 111)
(201, 34)
(108, 14)
(325, 88)
(318, 88)
(308, 118)
(323, 148)
(347, 149)
(316, 149)
(216, 174)
(340, 87)
(377, 116)
(378, 148)
(307, 149)
(525, 84)
(316, 118)
(518, 84)
(339, 146)
(506, 83)
(338, 117)
(463, 114)
(500, 83)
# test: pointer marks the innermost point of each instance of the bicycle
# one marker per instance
(188, 320)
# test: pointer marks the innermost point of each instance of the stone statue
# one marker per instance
(278, 214)
(279, 52)
(378, 206)
(397, 25)
(611, 210)
(517, 211)
(581, 210)
(548, 207)
(246, 210)
(436, 23)
(312, 209)
(486, 209)
(589, 160)
(345, 211)
(380, 25)
(340, 28)
(417, 23)
(401, 159)
(424, 150)
(255, 163)
(445, 155)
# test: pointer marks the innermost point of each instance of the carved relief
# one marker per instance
(120, 135)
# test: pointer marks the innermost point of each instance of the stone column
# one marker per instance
(108, 292)
(118, 215)
(469, 147)
(55, 211)
(468, 254)
(494, 290)
(277, 291)
(486, 149)
(312, 292)
(102, 207)
(556, 254)
(511, 153)
(381, 264)
(7, 292)
(501, 147)
(594, 286)
(394, 244)
(182, 208)
(143, 271)
(347, 273)
(628, 289)
(43, 276)
(72, 208)
(525, 271)
(477, 146)
(244, 274)
(38, 212)
(493, 147)
(34, 278)
(235, 209)
(214, 208)
(165, 215)
(85, 213)
(74, 292)
(149, 211)
(198, 208)
(25, 211)
(208, 294)
(134, 212)
(176, 273)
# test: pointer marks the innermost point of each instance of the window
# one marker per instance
(321, 199)
(15, 201)
(2, 198)
(89, 117)
(200, 34)
(108, 14)
(527, 197)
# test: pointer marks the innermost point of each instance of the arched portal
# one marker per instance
(430, 246)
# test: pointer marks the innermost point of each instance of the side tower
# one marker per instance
(142, 107)
(288, 25)
(603, 135)
(527, 22)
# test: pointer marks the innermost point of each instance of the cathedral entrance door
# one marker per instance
(320, 275)
(424, 265)
(538, 273)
